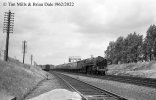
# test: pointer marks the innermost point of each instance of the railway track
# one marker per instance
(87, 91)
(147, 82)
(132, 80)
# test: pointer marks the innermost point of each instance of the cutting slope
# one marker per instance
(18, 79)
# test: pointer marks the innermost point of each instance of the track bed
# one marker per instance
(146, 82)
(88, 91)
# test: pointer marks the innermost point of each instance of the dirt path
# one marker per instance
(45, 86)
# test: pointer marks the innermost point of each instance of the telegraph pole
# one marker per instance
(8, 28)
(24, 50)
(31, 59)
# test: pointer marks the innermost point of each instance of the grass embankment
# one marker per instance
(140, 69)
(18, 79)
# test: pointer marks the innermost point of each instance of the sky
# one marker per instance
(53, 33)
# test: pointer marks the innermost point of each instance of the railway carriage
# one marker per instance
(46, 67)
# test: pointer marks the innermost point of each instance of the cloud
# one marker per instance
(55, 33)
(113, 16)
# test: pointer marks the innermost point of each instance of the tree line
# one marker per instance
(133, 48)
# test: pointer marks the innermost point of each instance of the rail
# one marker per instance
(87, 91)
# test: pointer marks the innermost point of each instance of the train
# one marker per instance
(97, 65)
(46, 67)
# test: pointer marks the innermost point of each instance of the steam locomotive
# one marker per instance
(96, 65)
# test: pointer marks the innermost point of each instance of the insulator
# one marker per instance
(6, 15)
(11, 26)
(11, 23)
(5, 26)
(5, 18)
(5, 22)
(11, 29)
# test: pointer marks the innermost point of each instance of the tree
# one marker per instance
(125, 50)
(118, 49)
(109, 53)
(134, 47)
(149, 43)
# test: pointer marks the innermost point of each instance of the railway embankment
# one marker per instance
(140, 69)
(18, 79)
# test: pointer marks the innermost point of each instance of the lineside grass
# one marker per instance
(140, 69)
(18, 79)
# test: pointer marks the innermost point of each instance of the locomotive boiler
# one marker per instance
(96, 65)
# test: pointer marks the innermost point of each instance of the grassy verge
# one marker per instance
(18, 79)
(140, 69)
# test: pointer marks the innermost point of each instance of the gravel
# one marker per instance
(51, 83)
(132, 92)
